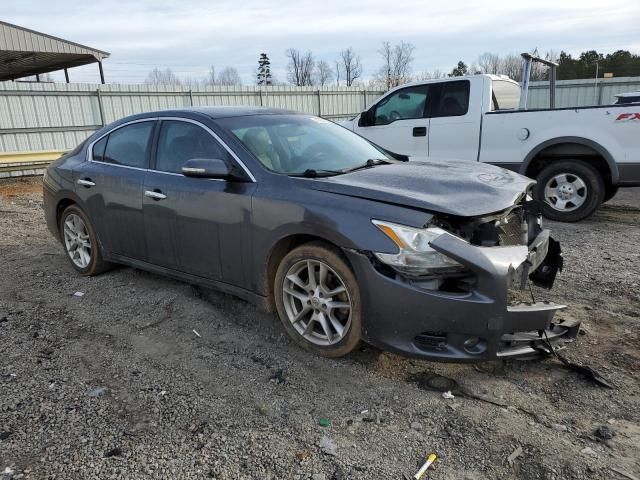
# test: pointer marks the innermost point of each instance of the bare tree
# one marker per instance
(511, 65)
(397, 59)
(300, 67)
(162, 77)
(351, 65)
(229, 76)
(434, 75)
(489, 63)
(323, 74)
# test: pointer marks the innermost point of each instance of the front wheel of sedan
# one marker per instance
(318, 300)
(80, 242)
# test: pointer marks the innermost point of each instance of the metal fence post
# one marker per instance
(260, 95)
(100, 107)
(600, 93)
(191, 97)
(364, 100)
(319, 103)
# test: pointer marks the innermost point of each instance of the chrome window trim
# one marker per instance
(89, 155)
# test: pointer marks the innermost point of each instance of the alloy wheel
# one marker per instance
(77, 241)
(317, 302)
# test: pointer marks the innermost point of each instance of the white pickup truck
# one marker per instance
(579, 156)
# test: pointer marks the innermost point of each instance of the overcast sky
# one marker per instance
(190, 35)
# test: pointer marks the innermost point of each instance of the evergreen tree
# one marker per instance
(264, 70)
(460, 70)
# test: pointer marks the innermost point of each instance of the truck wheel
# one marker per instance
(570, 189)
(609, 192)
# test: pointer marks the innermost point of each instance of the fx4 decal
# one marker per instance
(628, 116)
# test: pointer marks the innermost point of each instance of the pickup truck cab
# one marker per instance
(579, 156)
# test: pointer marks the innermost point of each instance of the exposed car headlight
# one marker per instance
(415, 255)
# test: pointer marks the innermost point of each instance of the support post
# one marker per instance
(66, 75)
(319, 103)
(100, 107)
(37, 77)
(364, 100)
(101, 72)
(552, 87)
(191, 97)
(260, 95)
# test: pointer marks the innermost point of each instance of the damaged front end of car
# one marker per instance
(469, 276)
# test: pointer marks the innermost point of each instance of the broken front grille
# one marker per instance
(511, 229)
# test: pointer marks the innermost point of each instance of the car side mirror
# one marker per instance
(206, 168)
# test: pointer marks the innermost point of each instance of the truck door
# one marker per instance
(454, 126)
(399, 123)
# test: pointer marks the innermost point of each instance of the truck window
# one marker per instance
(404, 104)
(454, 99)
(506, 95)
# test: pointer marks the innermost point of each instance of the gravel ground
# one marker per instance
(116, 383)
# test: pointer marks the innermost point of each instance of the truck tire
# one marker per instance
(570, 190)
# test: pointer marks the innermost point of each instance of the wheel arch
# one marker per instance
(571, 148)
(279, 250)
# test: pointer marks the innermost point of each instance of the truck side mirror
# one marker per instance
(367, 118)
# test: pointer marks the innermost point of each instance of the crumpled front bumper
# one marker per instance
(402, 317)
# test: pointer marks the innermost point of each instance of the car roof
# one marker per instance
(231, 111)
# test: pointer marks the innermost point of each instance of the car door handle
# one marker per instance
(86, 182)
(155, 194)
(419, 131)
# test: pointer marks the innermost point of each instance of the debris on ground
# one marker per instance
(197, 334)
(448, 395)
(97, 392)
(430, 459)
(588, 451)
(278, 376)
(78, 294)
(515, 454)
(605, 432)
(328, 446)
(114, 452)
(324, 422)
(624, 473)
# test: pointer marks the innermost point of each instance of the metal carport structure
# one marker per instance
(25, 52)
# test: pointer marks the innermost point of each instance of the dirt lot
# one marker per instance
(116, 384)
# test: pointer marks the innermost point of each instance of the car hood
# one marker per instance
(458, 188)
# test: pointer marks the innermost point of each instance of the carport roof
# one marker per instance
(25, 52)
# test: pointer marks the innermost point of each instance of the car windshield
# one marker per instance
(295, 144)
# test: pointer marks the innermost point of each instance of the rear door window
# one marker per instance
(98, 149)
(453, 100)
(129, 145)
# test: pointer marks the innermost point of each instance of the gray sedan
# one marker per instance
(345, 241)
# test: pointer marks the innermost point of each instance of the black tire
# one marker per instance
(331, 257)
(610, 191)
(96, 264)
(593, 191)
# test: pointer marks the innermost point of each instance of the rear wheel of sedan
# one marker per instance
(318, 300)
(80, 242)
(570, 189)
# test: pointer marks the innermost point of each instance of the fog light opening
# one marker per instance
(474, 345)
